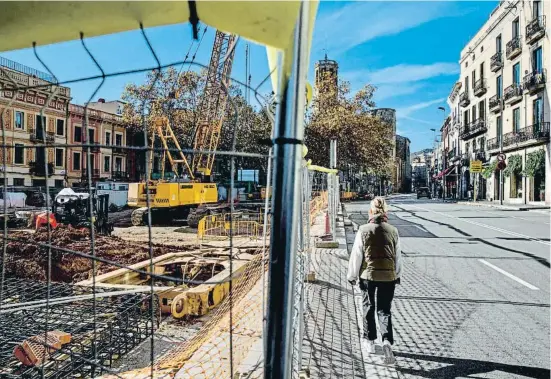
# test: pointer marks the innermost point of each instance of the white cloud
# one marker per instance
(359, 22)
(386, 91)
(406, 111)
(410, 73)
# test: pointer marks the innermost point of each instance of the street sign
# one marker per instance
(501, 157)
(476, 166)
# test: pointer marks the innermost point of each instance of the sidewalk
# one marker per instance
(332, 347)
(510, 207)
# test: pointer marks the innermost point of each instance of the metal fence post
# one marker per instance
(289, 132)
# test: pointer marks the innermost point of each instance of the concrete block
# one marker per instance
(327, 244)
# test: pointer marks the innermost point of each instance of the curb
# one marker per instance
(504, 207)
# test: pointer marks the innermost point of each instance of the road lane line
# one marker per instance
(487, 226)
(509, 275)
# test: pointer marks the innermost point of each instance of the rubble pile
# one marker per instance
(25, 259)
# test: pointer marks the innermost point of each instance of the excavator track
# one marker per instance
(138, 216)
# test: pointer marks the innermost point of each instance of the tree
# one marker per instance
(363, 140)
(177, 96)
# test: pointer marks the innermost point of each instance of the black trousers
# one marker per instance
(384, 292)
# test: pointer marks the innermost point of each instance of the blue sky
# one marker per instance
(409, 50)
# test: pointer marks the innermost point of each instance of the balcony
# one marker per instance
(464, 98)
(452, 156)
(465, 159)
(535, 29)
(480, 87)
(50, 137)
(480, 155)
(512, 94)
(514, 48)
(95, 173)
(37, 168)
(535, 81)
(495, 104)
(119, 150)
(493, 144)
(496, 62)
(474, 129)
(119, 175)
(526, 136)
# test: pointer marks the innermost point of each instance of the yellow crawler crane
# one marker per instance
(190, 197)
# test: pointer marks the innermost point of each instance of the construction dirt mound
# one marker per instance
(26, 259)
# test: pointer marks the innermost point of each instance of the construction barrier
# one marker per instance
(222, 226)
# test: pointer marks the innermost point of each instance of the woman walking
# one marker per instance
(376, 260)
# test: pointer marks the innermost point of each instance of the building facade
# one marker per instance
(503, 104)
(403, 164)
(31, 119)
(108, 136)
(421, 162)
(388, 116)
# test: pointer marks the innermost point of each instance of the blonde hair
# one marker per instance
(378, 206)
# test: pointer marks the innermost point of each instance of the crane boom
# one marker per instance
(212, 107)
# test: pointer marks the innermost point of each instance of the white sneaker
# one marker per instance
(389, 355)
(368, 345)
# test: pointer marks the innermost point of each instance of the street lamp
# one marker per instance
(443, 165)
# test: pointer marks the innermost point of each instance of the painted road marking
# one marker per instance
(509, 275)
(487, 226)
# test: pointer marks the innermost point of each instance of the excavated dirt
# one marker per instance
(24, 259)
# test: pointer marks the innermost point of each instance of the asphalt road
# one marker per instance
(474, 298)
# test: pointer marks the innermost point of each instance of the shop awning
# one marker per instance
(444, 172)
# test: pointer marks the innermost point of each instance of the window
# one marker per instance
(40, 125)
(108, 138)
(467, 148)
(106, 163)
(91, 135)
(60, 127)
(78, 134)
(59, 157)
(466, 118)
(58, 183)
(118, 164)
(76, 161)
(474, 78)
(499, 128)
(466, 84)
(499, 87)
(481, 142)
(537, 60)
(516, 185)
(20, 182)
(118, 139)
(515, 28)
(516, 120)
(482, 70)
(19, 120)
(498, 44)
(516, 74)
(19, 155)
(481, 49)
(536, 9)
(482, 110)
(473, 112)
(537, 110)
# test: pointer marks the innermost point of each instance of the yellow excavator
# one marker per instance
(192, 195)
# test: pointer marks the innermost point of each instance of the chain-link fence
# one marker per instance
(103, 272)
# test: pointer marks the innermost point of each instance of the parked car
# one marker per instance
(423, 192)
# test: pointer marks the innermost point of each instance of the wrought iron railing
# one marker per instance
(118, 150)
(480, 86)
(496, 61)
(95, 173)
(475, 128)
(464, 98)
(480, 155)
(26, 70)
(494, 102)
(37, 168)
(537, 132)
(514, 47)
(493, 143)
(535, 79)
(514, 90)
(537, 25)
(119, 175)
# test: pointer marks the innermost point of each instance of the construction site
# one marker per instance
(169, 274)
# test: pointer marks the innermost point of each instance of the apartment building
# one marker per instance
(107, 134)
(32, 118)
(501, 103)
